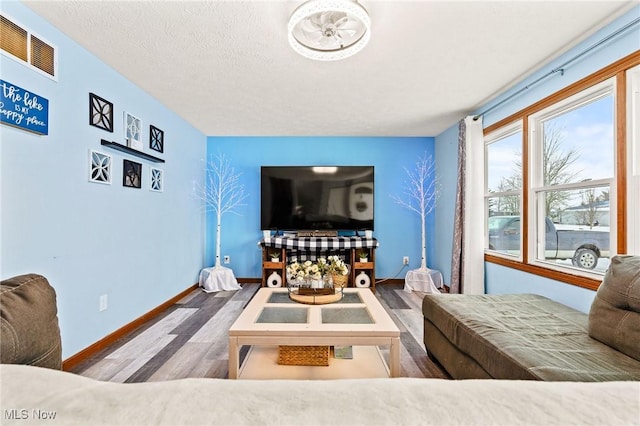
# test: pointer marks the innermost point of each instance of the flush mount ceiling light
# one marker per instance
(328, 30)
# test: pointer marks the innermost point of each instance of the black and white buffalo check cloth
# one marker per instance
(319, 243)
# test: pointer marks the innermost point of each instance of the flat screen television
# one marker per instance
(316, 198)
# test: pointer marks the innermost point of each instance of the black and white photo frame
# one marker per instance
(131, 174)
(156, 138)
(100, 113)
(100, 167)
(157, 180)
(133, 131)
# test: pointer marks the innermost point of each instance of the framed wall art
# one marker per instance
(156, 139)
(156, 185)
(100, 113)
(131, 174)
(99, 167)
(21, 108)
(133, 131)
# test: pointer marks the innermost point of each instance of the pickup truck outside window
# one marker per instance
(579, 246)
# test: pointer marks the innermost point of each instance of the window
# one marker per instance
(19, 44)
(561, 186)
(503, 190)
(572, 147)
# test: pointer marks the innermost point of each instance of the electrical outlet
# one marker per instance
(103, 302)
(405, 260)
(227, 259)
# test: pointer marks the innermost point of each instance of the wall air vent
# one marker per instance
(23, 46)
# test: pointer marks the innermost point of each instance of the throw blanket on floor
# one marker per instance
(29, 393)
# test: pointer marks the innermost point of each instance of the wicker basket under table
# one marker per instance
(303, 355)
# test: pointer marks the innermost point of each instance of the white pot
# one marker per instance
(274, 280)
(362, 280)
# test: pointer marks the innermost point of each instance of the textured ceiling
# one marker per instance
(226, 66)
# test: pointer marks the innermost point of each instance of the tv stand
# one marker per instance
(311, 248)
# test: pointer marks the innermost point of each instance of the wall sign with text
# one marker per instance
(23, 109)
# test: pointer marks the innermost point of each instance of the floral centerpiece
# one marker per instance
(317, 272)
(335, 265)
(307, 270)
(338, 270)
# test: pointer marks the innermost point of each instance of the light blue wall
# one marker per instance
(396, 228)
(138, 247)
(508, 280)
(500, 279)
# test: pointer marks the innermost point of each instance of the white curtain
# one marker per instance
(467, 267)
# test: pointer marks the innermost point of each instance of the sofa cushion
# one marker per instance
(525, 336)
(29, 332)
(614, 317)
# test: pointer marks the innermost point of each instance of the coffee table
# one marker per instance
(271, 318)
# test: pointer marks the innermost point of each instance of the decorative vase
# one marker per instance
(274, 280)
(362, 280)
(294, 282)
(364, 259)
(327, 281)
(275, 259)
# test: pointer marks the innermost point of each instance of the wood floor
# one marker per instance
(190, 339)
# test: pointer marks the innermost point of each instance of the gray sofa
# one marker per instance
(29, 331)
(530, 337)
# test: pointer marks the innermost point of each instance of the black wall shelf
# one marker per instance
(131, 151)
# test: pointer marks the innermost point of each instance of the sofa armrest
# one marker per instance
(29, 331)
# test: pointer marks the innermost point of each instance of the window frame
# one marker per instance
(536, 213)
(617, 71)
(633, 156)
(489, 139)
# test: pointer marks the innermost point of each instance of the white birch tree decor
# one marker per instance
(223, 193)
(420, 195)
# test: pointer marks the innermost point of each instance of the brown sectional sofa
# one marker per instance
(527, 336)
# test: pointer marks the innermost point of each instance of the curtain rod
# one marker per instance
(560, 68)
